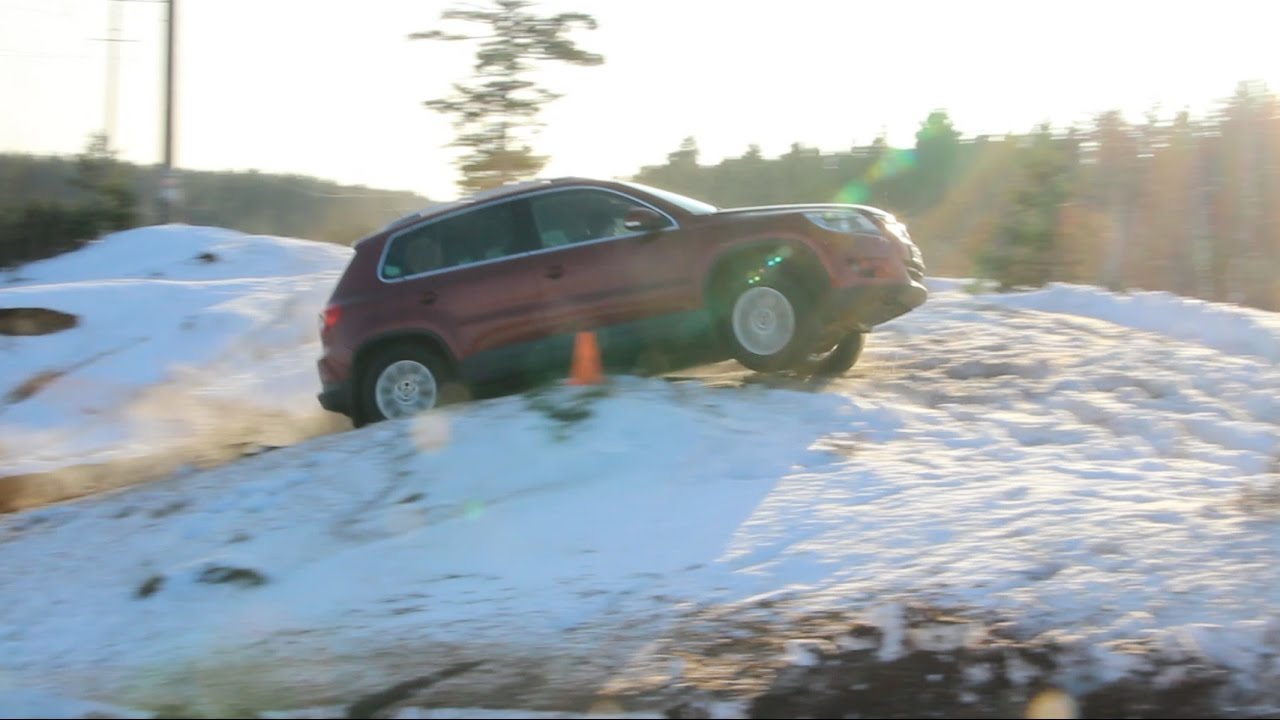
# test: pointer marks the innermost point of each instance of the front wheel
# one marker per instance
(769, 326)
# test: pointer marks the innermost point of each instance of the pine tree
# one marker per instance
(496, 112)
(1028, 246)
(109, 202)
(937, 148)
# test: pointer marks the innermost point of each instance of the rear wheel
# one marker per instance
(769, 325)
(404, 380)
(843, 356)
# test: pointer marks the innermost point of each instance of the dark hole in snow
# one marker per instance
(251, 449)
(370, 704)
(169, 508)
(150, 586)
(414, 497)
(207, 257)
(35, 321)
(220, 574)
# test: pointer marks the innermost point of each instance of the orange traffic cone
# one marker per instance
(586, 368)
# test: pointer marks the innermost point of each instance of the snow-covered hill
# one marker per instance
(1082, 471)
(186, 337)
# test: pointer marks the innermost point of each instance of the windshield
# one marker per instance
(688, 204)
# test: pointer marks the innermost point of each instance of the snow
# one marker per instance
(416, 713)
(21, 703)
(179, 326)
(1065, 459)
(1229, 329)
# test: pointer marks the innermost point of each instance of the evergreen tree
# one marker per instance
(109, 201)
(937, 148)
(495, 113)
(1027, 247)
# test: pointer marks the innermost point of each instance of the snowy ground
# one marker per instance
(188, 338)
(1098, 472)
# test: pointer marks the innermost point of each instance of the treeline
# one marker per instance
(92, 199)
(50, 205)
(1182, 203)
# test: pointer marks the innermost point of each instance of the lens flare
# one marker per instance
(891, 162)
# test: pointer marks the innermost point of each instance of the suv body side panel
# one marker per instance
(639, 293)
(618, 280)
(471, 309)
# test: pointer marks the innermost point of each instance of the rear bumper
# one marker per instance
(862, 307)
(336, 398)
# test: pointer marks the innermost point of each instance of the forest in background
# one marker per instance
(1181, 203)
(51, 204)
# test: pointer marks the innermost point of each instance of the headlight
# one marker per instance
(842, 221)
(897, 228)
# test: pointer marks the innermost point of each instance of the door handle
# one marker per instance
(427, 297)
(555, 272)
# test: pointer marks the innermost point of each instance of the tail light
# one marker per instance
(329, 318)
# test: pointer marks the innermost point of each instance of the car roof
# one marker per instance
(508, 190)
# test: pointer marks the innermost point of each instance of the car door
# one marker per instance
(633, 287)
(470, 277)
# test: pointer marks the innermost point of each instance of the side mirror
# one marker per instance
(641, 219)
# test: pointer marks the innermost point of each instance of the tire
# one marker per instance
(403, 380)
(843, 356)
(769, 325)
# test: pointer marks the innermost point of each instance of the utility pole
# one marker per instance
(169, 190)
(111, 91)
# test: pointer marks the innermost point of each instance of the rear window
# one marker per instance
(488, 233)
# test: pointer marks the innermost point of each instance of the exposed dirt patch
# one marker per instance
(32, 385)
(31, 490)
(932, 665)
(246, 433)
(35, 321)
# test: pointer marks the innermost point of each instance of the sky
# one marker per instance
(334, 89)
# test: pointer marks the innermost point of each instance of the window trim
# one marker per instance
(386, 247)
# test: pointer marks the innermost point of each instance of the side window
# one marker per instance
(574, 216)
(485, 234)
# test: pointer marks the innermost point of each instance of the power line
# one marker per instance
(42, 55)
(64, 12)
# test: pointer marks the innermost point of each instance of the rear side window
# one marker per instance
(573, 216)
(489, 233)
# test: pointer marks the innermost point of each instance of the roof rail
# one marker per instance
(488, 193)
(523, 184)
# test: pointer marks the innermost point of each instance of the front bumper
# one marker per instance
(862, 307)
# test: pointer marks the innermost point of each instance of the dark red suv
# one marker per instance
(494, 288)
